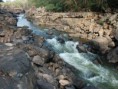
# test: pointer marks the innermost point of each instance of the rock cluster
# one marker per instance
(26, 63)
(85, 25)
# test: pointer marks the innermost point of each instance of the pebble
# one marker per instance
(64, 82)
(9, 44)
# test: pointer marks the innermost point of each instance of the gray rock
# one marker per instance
(113, 56)
(101, 44)
(70, 87)
(81, 48)
(38, 60)
(45, 54)
(15, 70)
(89, 87)
(44, 85)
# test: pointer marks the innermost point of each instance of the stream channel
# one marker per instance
(100, 76)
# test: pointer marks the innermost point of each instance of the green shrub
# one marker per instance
(75, 5)
(50, 7)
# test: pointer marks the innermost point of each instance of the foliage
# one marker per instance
(69, 5)
(76, 5)
(16, 4)
(55, 5)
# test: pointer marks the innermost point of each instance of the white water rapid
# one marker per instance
(101, 77)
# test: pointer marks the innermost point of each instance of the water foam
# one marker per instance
(96, 74)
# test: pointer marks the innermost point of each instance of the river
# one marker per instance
(100, 76)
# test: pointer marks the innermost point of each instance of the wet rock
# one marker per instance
(89, 87)
(50, 33)
(81, 48)
(44, 85)
(78, 83)
(61, 40)
(113, 56)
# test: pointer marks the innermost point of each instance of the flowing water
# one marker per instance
(100, 76)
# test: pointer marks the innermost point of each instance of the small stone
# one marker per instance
(49, 78)
(32, 53)
(61, 77)
(24, 38)
(57, 71)
(38, 60)
(64, 82)
(9, 44)
(12, 73)
(101, 31)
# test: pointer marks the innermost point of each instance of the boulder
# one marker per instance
(41, 84)
(113, 56)
(89, 87)
(102, 44)
(78, 83)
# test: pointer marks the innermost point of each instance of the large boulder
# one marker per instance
(113, 56)
(102, 44)
(16, 71)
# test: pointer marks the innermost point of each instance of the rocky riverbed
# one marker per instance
(99, 30)
(26, 63)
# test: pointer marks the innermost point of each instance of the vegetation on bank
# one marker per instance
(67, 5)
(77, 5)
(16, 4)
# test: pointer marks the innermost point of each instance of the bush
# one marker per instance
(50, 7)
(75, 5)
